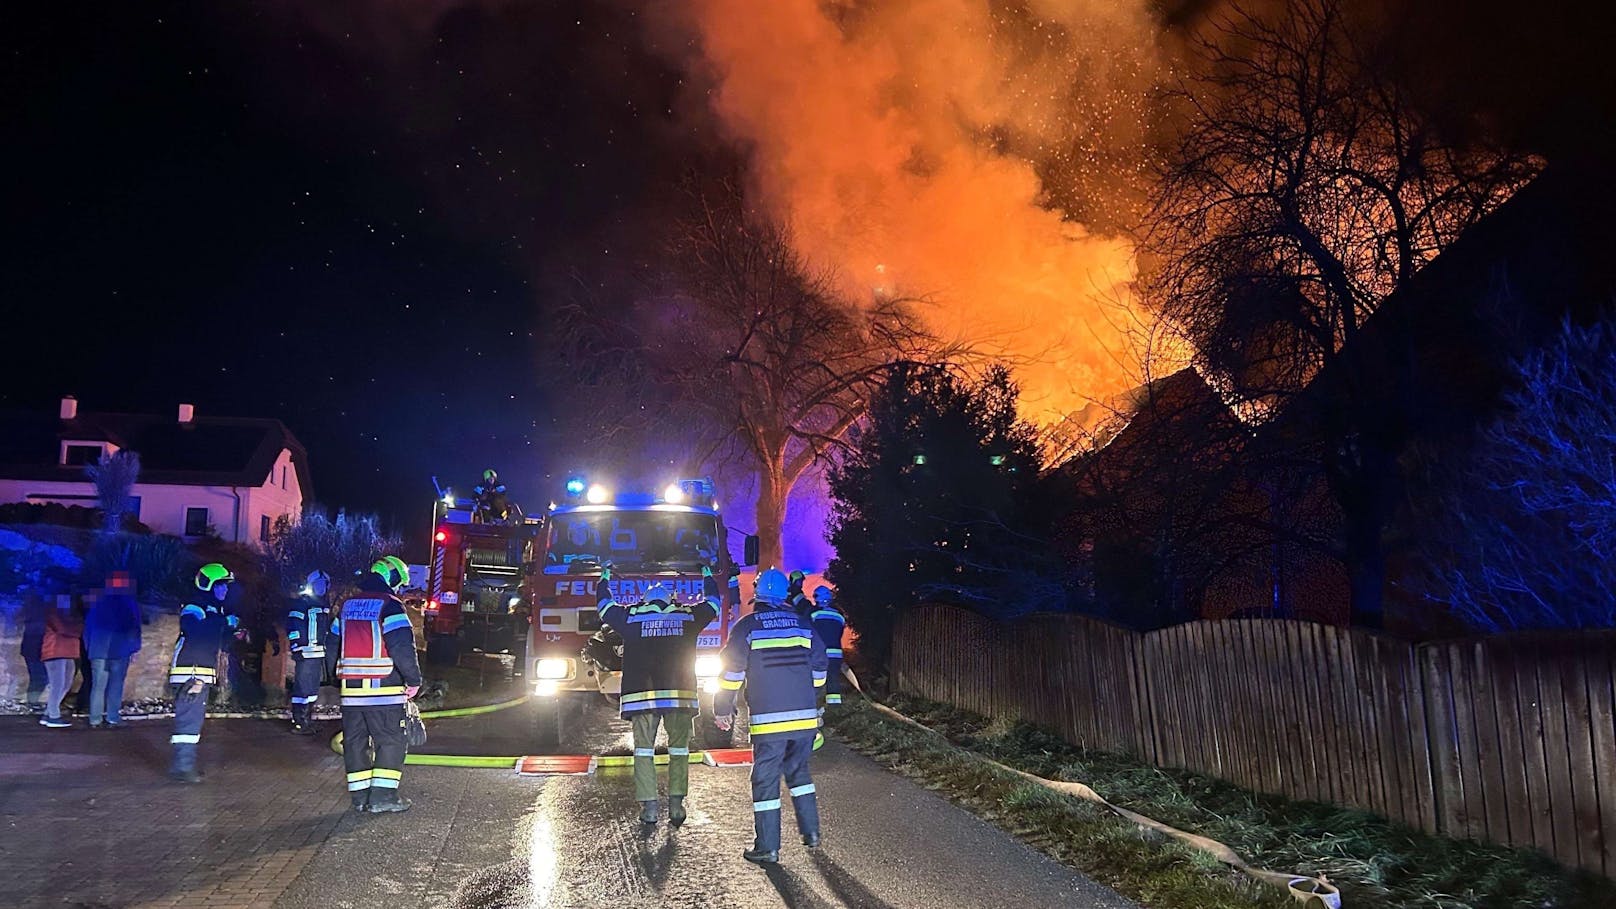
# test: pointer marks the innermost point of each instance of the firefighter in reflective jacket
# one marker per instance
(775, 654)
(307, 624)
(795, 597)
(659, 682)
(377, 673)
(204, 631)
(828, 624)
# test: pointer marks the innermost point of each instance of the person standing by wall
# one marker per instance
(60, 650)
(111, 638)
(35, 609)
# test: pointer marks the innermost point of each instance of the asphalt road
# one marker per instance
(490, 838)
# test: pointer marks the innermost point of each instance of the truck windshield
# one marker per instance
(631, 540)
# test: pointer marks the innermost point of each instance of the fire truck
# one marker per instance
(475, 582)
(665, 538)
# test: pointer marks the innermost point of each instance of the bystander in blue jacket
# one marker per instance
(111, 639)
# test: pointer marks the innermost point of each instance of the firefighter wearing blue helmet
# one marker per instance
(659, 681)
(307, 624)
(829, 624)
(775, 655)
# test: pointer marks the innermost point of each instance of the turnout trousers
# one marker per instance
(307, 673)
(380, 729)
(678, 723)
(190, 709)
(775, 755)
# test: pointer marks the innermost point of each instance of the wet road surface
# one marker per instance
(490, 838)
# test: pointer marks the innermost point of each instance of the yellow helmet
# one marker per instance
(211, 574)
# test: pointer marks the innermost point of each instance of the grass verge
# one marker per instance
(1375, 862)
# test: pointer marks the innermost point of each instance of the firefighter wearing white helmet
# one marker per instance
(377, 673)
(659, 681)
(307, 623)
(776, 656)
(204, 630)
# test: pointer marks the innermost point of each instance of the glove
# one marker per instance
(606, 572)
(735, 581)
(723, 722)
(706, 572)
(195, 688)
(410, 691)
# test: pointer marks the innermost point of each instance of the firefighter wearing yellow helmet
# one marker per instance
(377, 673)
(204, 631)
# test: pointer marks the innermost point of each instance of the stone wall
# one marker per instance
(148, 670)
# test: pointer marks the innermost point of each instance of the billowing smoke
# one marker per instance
(977, 153)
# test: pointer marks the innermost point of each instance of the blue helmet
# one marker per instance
(659, 593)
(772, 586)
(822, 596)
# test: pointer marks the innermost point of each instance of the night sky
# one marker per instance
(355, 217)
(248, 208)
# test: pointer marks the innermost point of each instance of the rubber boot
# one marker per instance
(649, 812)
(184, 767)
(811, 840)
(360, 800)
(384, 801)
(676, 810)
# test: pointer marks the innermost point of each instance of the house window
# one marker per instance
(79, 455)
(263, 527)
(196, 522)
(283, 476)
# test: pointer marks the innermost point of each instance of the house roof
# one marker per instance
(209, 451)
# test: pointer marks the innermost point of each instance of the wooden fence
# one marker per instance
(1507, 738)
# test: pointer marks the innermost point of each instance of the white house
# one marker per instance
(230, 476)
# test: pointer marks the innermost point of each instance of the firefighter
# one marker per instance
(779, 659)
(377, 673)
(307, 624)
(798, 601)
(828, 623)
(204, 631)
(659, 682)
(491, 502)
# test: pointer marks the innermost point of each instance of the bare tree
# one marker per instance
(744, 349)
(1523, 520)
(1305, 188)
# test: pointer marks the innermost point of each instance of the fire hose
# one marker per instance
(499, 762)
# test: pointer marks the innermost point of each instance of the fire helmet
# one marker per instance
(402, 566)
(823, 596)
(490, 476)
(317, 583)
(211, 574)
(796, 579)
(772, 586)
(659, 593)
(388, 568)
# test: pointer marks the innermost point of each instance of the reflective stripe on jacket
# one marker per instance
(776, 656)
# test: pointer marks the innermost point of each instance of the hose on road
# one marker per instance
(486, 762)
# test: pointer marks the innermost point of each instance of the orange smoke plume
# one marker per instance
(952, 149)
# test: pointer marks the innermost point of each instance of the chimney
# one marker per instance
(70, 408)
(187, 414)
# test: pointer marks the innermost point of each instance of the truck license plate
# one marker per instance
(708, 641)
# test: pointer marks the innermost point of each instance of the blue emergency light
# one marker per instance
(576, 486)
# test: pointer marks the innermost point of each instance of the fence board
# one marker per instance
(1580, 753)
(1510, 739)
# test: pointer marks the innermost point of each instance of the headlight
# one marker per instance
(708, 666)
(553, 669)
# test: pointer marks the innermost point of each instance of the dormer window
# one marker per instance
(78, 454)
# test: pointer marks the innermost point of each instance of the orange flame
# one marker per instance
(911, 145)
